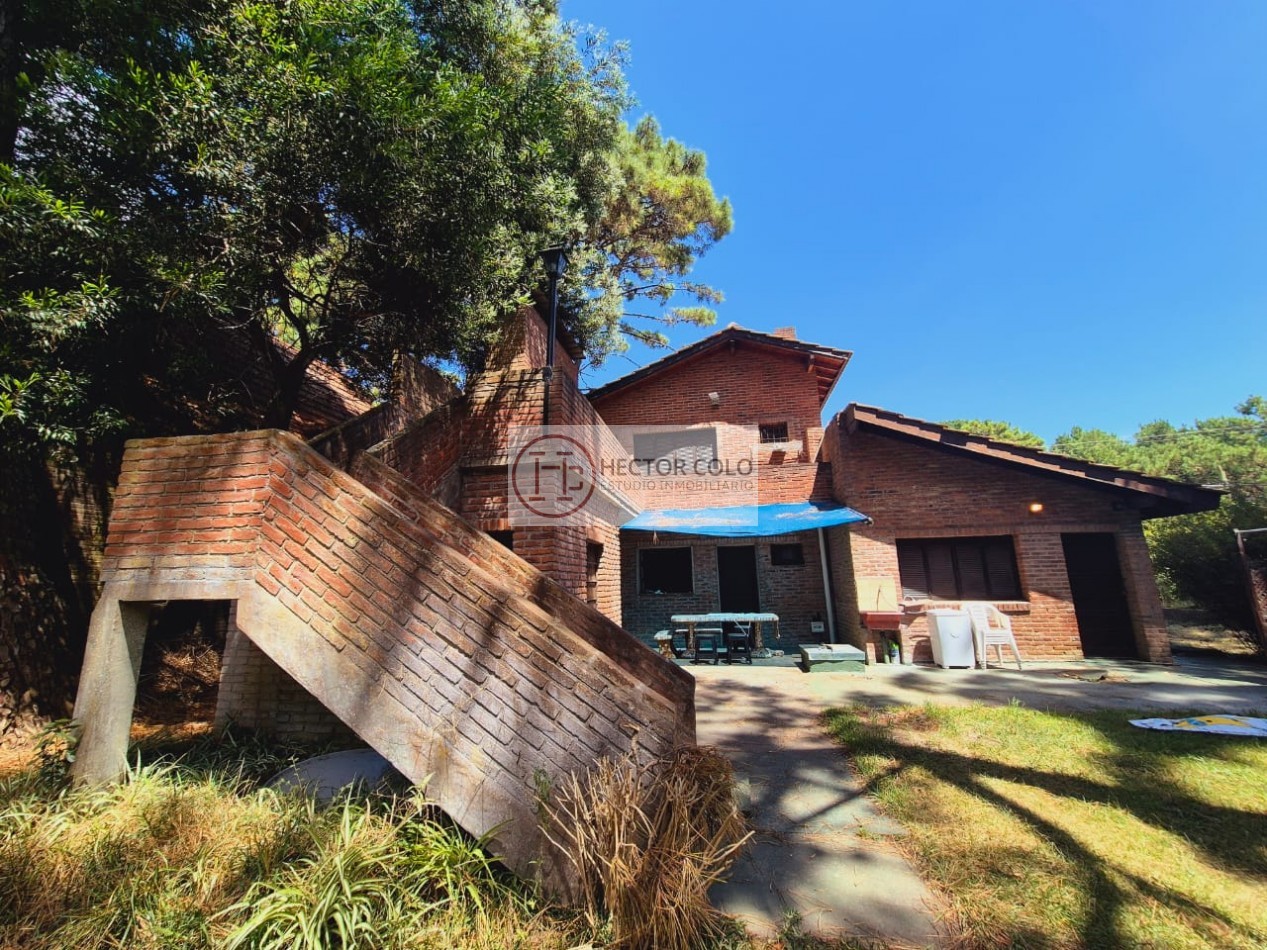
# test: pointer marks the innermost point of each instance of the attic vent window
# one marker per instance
(787, 555)
(772, 432)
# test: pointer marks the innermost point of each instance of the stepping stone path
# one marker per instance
(821, 849)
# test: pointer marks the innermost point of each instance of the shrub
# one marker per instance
(647, 841)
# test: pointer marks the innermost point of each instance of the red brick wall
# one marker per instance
(793, 482)
(755, 386)
(189, 502)
(420, 390)
(845, 594)
(795, 593)
(606, 594)
(523, 346)
(427, 452)
(398, 572)
(255, 693)
(555, 598)
(916, 491)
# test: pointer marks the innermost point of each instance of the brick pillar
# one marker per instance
(844, 587)
(246, 680)
(1151, 636)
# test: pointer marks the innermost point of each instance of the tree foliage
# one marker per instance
(189, 189)
(1196, 555)
(662, 216)
(357, 179)
(999, 431)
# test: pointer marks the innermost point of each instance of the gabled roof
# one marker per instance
(1164, 496)
(825, 362)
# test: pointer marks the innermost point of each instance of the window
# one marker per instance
(685, 447)
(504, 538)
(666, 570)
(772, 432)
(959, 569)
(593, 559)
(786, 555)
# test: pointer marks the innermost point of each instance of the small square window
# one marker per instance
(666, 571)
(787, 555)
(773, 432)
(504, 538)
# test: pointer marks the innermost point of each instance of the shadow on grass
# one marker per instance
(1225, 837)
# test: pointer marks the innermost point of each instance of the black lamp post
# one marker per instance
(556, 261)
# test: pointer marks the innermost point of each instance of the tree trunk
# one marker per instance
(10, 24)
(287, 375)
(289, 379)
(47, 586)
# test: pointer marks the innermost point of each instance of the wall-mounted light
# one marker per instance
(715, 399)
(1035, 507)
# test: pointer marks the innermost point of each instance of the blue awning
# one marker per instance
(745, 521)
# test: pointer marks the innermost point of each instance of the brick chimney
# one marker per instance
(784, 333)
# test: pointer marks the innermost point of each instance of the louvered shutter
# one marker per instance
(1000, 567)
(910, 563)
(687, 446)
(939, 556)
(973, 580)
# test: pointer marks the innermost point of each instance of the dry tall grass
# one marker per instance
(190, 854)
(647, 840)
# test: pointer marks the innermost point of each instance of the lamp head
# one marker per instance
(556, 261)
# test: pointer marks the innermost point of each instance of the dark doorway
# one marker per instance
(737, 579)
(178, 682)
(1099, 597)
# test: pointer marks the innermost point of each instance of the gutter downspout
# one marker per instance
(827, 588)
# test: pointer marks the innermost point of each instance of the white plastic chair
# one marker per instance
(992, 628)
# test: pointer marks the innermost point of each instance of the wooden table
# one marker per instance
(689, 621)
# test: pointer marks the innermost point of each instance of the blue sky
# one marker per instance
(1052, 212)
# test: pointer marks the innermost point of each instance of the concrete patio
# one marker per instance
(1220, 684)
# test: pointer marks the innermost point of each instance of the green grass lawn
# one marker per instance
(1073, 829)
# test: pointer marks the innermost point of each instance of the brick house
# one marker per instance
(738, 377)
(1056, 543)
(376, 582)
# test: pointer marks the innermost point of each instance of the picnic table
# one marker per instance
(689, 621)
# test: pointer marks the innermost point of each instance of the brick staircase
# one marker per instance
(468, 669)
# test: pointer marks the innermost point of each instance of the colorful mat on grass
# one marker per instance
(1222, 725)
